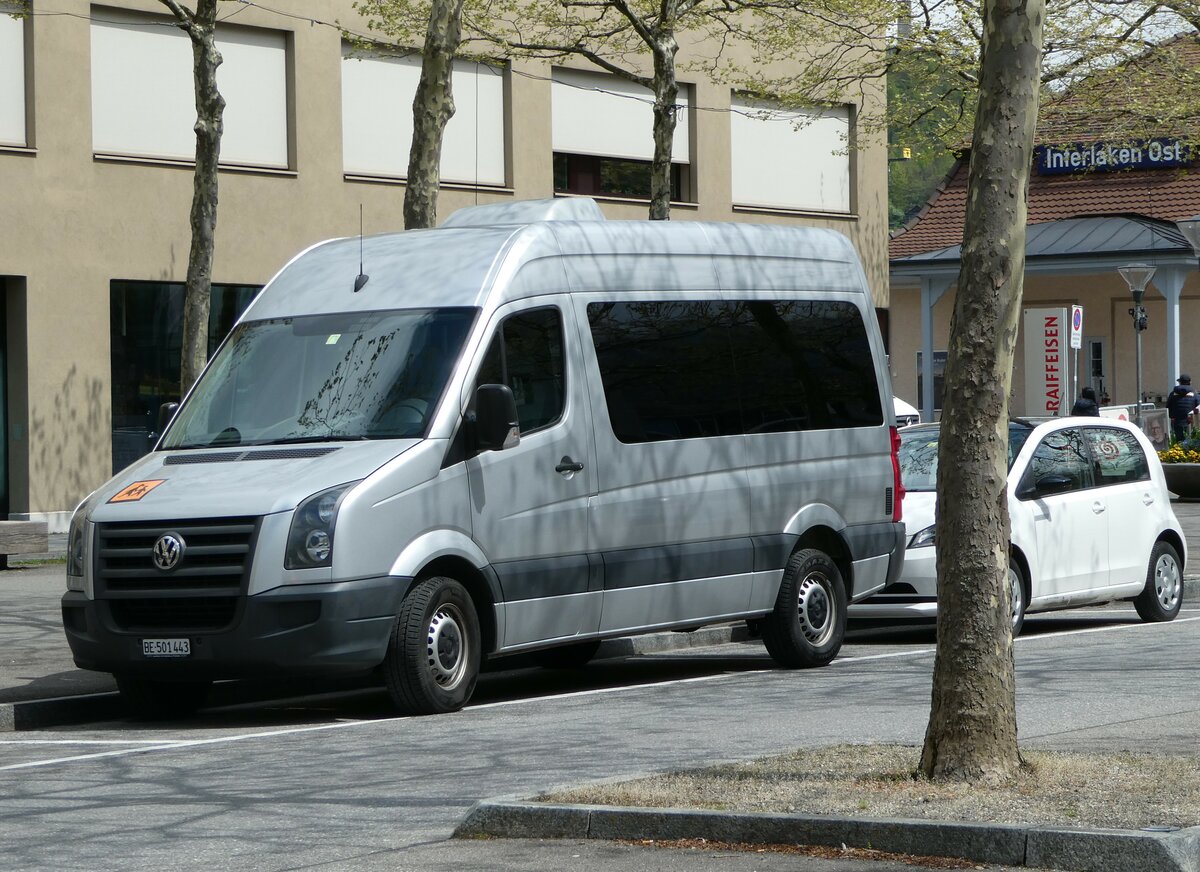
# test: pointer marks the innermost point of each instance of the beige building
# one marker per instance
(96, 114)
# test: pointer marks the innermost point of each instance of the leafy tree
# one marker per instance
(200, 25)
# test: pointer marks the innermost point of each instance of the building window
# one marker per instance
(610, 177)
(790, 159)
(377, 123)
(143, 97)
(603, 136)
(12, 78)
(146, 334)
(939, 380)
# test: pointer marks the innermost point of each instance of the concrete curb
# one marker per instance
(1004, 844)
(34, 714)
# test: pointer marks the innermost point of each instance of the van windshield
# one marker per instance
(361, 375)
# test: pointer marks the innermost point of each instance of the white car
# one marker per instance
(1090, 514)
(906, 414)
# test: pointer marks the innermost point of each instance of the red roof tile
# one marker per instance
(1163, 194)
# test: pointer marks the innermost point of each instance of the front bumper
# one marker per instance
(913, 596)
(337, 627)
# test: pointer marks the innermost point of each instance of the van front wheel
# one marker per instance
(809, 622)
(432, 660)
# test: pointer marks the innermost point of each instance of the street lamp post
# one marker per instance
(1137, 276)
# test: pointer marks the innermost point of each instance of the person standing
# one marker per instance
(1086, 404)
(1181, 402)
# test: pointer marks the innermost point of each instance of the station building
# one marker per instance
(1097, 203)
(96, 147)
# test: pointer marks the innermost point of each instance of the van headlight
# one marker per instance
(76, 552)
(310, 540)
(922, 538)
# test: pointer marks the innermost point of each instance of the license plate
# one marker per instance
(167, 647)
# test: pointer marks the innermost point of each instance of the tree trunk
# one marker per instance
(210, 106)
(972, 732)
(433, 106)
(666, 91)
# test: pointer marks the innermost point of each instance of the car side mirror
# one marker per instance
(496, 424)
(1053, 484)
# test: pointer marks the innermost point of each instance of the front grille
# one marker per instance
(201, 592)
(186, 613)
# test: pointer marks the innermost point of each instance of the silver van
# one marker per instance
(526, 431)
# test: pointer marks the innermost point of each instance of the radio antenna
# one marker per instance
(362, 277)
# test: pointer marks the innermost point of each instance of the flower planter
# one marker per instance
(1183, 479)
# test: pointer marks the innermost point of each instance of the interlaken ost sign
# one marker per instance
(1090, 157)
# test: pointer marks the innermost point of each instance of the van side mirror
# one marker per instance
(496, 425)
(165, 413)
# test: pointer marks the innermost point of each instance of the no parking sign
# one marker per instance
(1076, 326)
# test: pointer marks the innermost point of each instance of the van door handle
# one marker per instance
(567, 465)
(1098, 507)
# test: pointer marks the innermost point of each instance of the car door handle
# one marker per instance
(567, 465)
(1147, 499)
(1098, 508)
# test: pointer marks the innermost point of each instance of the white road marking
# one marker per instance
(146, 746)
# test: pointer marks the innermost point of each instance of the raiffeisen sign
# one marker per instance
(1085, 157)
(1046, 333)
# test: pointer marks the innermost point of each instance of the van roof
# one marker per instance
(471, 261)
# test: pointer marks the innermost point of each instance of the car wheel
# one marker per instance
(809, 621)
(574, 656)
(1017, 597)
(1162, 597)
(432, 659)
(150, 699)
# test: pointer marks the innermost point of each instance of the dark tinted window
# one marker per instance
(804, 366)
(666, 369)
(681, 370)
(1119, 456)
(527, 355)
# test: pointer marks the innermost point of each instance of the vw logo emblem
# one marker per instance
(168, 551)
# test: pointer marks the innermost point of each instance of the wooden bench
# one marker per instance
(22, 537)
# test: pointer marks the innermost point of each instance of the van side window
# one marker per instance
(527, 355)
(666, 369)
(804, 366)
(681, 370)
(1119, 456)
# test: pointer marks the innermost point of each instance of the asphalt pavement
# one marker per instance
(40, 686)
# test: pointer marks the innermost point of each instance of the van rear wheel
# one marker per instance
(432, 660)
(809, 622)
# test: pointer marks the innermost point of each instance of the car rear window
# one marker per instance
(1118, 456)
